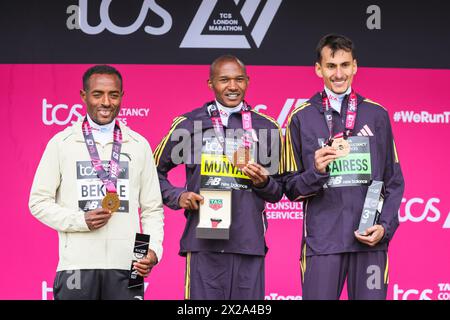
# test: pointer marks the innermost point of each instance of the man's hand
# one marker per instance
(144, 266)
(190, 200)
(95, 219)
(323, 157)
(257, 173)
(373, 235)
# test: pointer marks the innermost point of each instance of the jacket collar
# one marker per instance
(127, 134)
(203, 115)
(316, 100)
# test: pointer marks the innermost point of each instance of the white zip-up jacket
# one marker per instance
(66, 185)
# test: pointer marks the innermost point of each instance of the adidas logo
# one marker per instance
(365, 131)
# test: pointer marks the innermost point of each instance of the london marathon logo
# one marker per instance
(218, 24)
(240, 24)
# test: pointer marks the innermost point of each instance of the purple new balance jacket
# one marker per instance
(249, 222)
(331, 215)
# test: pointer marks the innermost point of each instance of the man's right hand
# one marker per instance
(190, 200)
(323, 157)
(95, 219)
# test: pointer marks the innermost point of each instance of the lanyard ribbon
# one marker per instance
(349, 119)
(247, 137)
(109, 180)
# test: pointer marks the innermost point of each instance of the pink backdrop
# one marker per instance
(40, 100)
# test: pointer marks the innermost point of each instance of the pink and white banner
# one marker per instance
(39, 100)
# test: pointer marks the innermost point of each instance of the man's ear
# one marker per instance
(318, 69)
(355, 66)
(210, 84)
(83, 95)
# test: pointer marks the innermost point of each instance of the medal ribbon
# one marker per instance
(247, 137)
(350, 117)
(109, 180)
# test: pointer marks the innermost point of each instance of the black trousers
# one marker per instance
(95, 284)
(224, 276)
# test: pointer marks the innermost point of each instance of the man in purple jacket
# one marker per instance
(336, 144)
(218, 266)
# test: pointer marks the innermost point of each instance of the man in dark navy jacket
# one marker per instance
(336, 144)
(230, 268)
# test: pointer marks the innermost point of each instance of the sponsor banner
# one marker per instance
(439, 291)
(421, 117)
(420, 210)
(276, 296)
(61, 114)
(284, 210)
(263, 32)
(420, 243)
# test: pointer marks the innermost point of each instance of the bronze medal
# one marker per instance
(241, 157)
(111, 202)
(341, 146)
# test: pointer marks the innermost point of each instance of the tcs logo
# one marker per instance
(442, 293)
(418, 210)
(412, 294)
(60, 114)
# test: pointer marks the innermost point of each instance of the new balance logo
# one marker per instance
(365, 131)
(213, 181)
(226, 28)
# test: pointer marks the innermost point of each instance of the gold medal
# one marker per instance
(341, 146)
(241, 157)
(111, 201)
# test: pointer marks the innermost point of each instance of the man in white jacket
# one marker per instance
(96, 157)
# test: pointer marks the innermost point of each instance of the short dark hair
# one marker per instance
(335, 42)
(100, 69)
(225, 58)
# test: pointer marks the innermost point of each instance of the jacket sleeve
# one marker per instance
(394, 186)
(273, 190)
(165, 162)
(301, 180)
(150, 202)
(42, 201)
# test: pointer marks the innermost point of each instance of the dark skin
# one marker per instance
(257, 173)
(190, 200)
(229, 81)
(144, 266)
(102, 97)
(95, 219)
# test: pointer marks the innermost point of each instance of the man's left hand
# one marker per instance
(373, 235)
(257, 173)
(144, 266)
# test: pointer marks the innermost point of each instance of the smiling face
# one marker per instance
(229, 82)
(102, 97)
(336, 70)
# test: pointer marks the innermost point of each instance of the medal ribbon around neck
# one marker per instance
(109, 180)
(247, 137)
(350, 118)
(242, 155)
